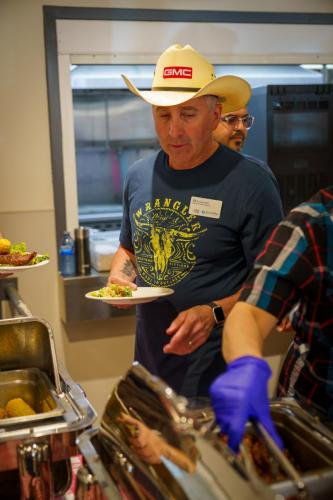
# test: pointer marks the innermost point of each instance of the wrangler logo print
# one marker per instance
(164, 241)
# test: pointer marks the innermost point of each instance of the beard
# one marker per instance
(238, 140)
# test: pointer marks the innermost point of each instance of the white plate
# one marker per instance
(14, 269)
(141, 295)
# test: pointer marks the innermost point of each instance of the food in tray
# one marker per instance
(17, 407)
(18, 255)
(47, 404)
(264, 462)
(113, 290)
(266, 467)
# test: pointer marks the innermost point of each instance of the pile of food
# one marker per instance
(113, 290)
(17, 254)
(265, 464)
(16, 407)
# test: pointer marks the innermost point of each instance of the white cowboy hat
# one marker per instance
(182, 73)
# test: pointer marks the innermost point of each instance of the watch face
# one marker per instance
(218, 314)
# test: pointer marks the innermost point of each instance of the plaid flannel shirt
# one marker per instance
(296, 266)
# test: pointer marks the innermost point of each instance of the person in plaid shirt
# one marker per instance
(295, 267)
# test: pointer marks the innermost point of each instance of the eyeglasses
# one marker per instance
(233, 120)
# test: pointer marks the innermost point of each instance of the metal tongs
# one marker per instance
(285, 464)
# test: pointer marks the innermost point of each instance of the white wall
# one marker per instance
(26, 199)
(95, 354)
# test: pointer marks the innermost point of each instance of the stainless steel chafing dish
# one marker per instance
(35, 449)
(310, 442)
(175, 461)
(167, 449)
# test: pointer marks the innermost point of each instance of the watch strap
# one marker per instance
(218, 313)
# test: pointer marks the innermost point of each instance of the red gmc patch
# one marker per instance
(177, 72)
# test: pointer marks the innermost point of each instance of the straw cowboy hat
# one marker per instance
(182, 73)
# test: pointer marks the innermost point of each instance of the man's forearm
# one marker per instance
(123, 265)
(245, 330)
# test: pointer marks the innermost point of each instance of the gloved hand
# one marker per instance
(241, 394)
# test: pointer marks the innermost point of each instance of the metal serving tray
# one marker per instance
(177, 462)
(28, 363)
(35, 449)
(35, 388)
(190, 430)
(311, 450)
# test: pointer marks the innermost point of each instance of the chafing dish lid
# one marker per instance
(29, 343)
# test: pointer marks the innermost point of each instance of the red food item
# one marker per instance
(17, 259)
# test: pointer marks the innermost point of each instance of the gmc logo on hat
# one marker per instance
(177, 72)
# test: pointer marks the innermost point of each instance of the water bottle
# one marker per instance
(67, 255)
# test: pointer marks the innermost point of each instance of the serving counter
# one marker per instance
(151, 443)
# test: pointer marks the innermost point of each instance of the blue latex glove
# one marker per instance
(240, 394)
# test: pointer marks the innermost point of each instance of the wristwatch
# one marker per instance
(218, 313)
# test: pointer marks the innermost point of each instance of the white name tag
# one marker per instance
(205, 207)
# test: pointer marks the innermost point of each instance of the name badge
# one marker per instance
(205, 207)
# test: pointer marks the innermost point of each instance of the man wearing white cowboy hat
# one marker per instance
(195, 217)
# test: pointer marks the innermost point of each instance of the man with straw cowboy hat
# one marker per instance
(196, 215)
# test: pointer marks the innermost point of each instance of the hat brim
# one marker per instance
(234, 93)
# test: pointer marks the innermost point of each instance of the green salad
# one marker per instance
(39, 258)
(113, 290)
(18, 248)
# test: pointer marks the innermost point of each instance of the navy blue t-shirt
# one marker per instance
(202, 257)
(265, 166)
